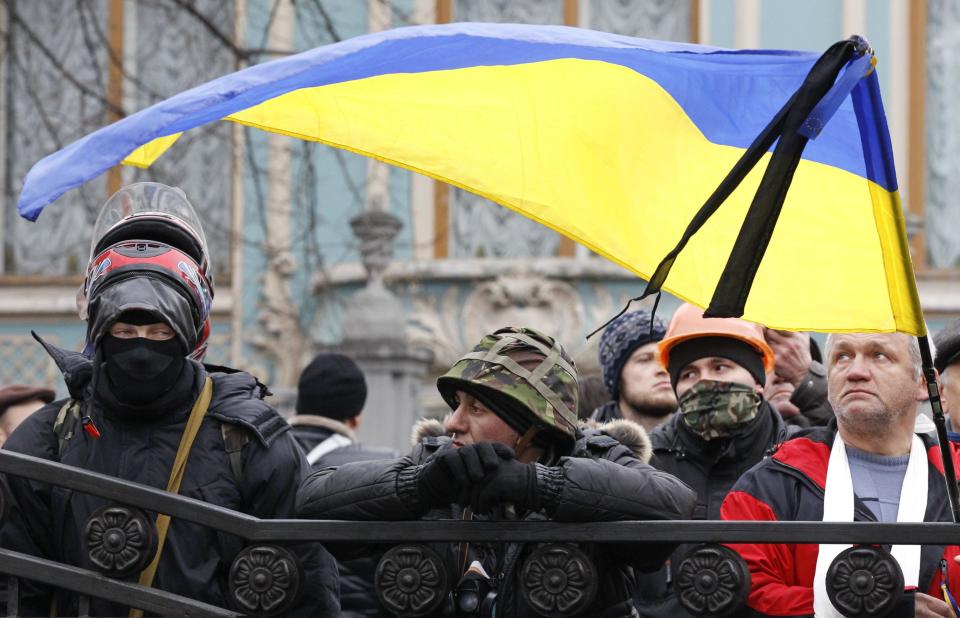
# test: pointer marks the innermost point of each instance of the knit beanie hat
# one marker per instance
(947, 344)
(620, 339)
(735, 350)
(333, 386)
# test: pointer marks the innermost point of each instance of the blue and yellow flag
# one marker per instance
(613, 141)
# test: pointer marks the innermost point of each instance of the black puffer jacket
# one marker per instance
(49, 521)
(711, 468)
(357, 597)
(598, 480)
(311, 431)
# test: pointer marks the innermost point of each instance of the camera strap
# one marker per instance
(463, 549)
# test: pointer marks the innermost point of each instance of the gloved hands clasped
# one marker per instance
(481, 476)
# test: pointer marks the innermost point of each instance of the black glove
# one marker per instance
(451, 474)
(510, 482)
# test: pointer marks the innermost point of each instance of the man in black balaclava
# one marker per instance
(145, 368)
(127, 414)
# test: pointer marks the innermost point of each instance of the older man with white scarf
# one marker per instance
(867, 466)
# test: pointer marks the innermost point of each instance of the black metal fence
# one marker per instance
(411, 580)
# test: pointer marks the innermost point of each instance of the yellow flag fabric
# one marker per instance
(613, 141)
(144, 156)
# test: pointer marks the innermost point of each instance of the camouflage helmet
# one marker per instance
(545, 395)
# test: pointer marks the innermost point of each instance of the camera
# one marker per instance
(474, 595)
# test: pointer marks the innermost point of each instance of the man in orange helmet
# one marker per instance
(718, 368)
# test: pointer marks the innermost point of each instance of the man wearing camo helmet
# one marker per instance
(512, 451)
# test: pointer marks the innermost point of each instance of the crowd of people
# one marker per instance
(696, 418)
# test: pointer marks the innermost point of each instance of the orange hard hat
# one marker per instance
(688, 323)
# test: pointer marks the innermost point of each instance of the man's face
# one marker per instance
(158, 331)
(951, 393)
(778, 391)
(871, 378)
(472, 422)
(714, 368)
(645, 384)
(11, 418)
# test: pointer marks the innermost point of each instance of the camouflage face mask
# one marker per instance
(714, 409)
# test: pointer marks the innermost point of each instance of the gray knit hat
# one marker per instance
(947, 342)
(620, 338)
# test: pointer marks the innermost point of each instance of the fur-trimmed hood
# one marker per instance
(628, 433)
(624, 431)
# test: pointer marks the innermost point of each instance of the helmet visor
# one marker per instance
(151, 200)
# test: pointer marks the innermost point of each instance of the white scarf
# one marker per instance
(838, 506)
(327, 446)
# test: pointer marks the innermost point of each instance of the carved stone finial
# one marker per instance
(120, 540)
(411, 581)
(713, 581)
(374, 315)
(558, 580)
(265, 580)
(376, 231)
(864, 581)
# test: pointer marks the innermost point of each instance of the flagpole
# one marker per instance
(946, 454)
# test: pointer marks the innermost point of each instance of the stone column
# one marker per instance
(374, 335)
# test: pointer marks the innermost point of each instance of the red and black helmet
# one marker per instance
(149, 231)
(152, 211)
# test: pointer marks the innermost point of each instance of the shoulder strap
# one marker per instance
(66, 424)
(176, 476)
(234, 439)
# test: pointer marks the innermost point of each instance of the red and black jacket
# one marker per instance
(789, 486)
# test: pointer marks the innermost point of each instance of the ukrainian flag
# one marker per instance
(613, 141)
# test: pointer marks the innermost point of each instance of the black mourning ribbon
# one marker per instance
(735, 282)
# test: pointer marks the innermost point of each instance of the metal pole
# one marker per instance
(13, 595)
(946, 453)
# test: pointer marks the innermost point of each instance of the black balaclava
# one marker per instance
(142, 372)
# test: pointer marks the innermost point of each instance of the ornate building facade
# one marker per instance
(316, 248)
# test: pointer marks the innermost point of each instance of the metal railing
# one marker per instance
(711, 574)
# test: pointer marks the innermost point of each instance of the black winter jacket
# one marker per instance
(711, 468)
(357, 596)
(49, 521)
(310, 431)
(598, 480)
